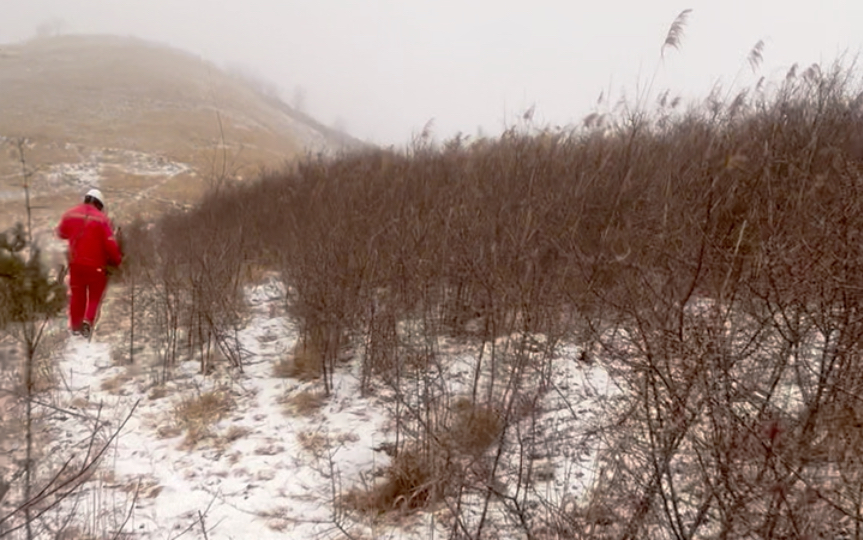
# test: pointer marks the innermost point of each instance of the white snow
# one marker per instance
(89, 171)
(254, 478)
(86, 174)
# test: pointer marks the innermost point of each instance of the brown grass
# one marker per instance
(304, 363)
(285, 368)
(305, 403)
(235, 433)
(157, 392)
(143, 486)
(419, 478)
(196, 415)
(314, 443)
(132, 73)
(473, 429)
(413, 480)
(115, 384)
(80, 403)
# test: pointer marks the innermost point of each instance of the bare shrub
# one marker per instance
(708, 258)
(184, 284)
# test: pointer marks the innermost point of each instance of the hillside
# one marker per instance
(146, 123)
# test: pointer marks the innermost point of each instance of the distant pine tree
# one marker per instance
(27, 292)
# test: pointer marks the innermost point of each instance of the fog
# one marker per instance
(384, 69)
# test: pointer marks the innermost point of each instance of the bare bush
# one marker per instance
(708, 258)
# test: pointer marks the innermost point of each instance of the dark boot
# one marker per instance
(86, 330)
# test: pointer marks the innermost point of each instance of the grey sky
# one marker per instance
(386, 67)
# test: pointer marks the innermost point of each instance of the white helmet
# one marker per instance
(96, 194)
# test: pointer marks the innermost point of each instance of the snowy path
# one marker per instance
(253, 477)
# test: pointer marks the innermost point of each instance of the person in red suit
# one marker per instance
(92, 249)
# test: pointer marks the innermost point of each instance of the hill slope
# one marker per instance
(132, 116)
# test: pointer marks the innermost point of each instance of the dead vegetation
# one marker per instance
(420, 477)
(315, 443)
(473, 429)
(304, 363)
(709, 257)
(115, 384)
(235, 433)
(196, 415)
(305, 403)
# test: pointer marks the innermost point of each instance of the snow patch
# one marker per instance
(89, 171)
(85, 174)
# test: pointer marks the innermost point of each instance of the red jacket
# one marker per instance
(90, 236)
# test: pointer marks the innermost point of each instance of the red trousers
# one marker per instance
(86, 287)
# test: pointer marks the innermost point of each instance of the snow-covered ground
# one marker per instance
(265, 471)
(89, 171)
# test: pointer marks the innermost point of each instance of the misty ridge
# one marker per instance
(95, 111)
(644, 326)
